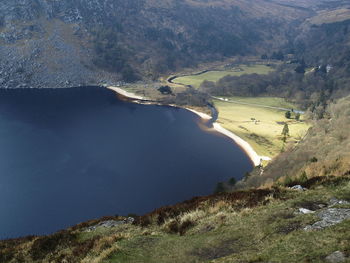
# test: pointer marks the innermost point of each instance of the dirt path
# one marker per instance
(255, 105)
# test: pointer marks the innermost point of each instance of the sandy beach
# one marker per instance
(200, 114)
(246, 147)
(126, 93)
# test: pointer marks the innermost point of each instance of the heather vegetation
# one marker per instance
(245, 226)
(324, 151)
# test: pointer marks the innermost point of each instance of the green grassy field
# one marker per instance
(247, 226)
(271, 233)
(265, 135)
(196, 80)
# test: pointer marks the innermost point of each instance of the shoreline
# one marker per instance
(244, 145)
(125, 93)
(203, 116)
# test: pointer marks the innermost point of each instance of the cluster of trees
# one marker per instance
(145, 38)
(191, 97)
(275, 55)
(288, 115)
(310, 91)
(165, 90)
(111, 55)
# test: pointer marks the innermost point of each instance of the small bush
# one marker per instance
(220, 188)
(83, 248)
(166, 90)
(288, 181)
(144, 221)
(232, 181)
(185, 226)
(173, 227)
(313, 160)
(45, 245)
(303, 178)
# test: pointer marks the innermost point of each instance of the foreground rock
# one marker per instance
(111, 223)
(336, 257)
(335, 201)
(330, 217)
(298, 188)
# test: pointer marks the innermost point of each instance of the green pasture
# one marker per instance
(261, 127)
(196, 80)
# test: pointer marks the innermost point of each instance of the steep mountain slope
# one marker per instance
(312, 4)
(69, 43)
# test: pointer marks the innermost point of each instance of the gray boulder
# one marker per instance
(330, 217)
(298, 187)
(336, 257)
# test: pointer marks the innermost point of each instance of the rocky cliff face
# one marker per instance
(51, 43)
(45, 44)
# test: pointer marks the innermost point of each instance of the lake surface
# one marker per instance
(71, 155)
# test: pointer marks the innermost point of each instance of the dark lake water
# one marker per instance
(70, 155)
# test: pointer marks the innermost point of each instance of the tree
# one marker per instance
(285, 131)
(314, 160)
(303, 177)
(246, 175)
(279, 55)
(232, 181)
(288, 114)
(165, 90)
(297, 116)
(300, 69)
(129, 74)
(220, 188)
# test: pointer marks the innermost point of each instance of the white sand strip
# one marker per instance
(126, 93)
(247, 148)
(200, 114)
(256, 159)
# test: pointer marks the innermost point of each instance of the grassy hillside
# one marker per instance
(246, 226)
(324, 151)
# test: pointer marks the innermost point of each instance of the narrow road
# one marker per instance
(170, 80)
(255, 105)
